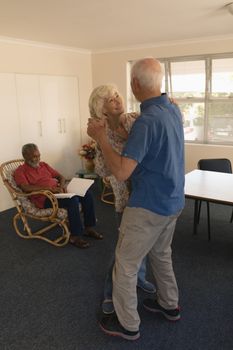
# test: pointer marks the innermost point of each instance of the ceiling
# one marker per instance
(98, 25)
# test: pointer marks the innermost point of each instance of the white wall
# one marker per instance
(33, 58)
(110, 67)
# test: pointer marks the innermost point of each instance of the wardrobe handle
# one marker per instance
(64, 125)
(59, 126)
(40, 128)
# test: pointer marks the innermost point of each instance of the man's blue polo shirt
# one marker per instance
(156, 142)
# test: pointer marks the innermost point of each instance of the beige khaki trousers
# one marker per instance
(143, 232)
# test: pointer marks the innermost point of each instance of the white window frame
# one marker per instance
(133, 105)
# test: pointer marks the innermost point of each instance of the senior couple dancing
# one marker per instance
(148, 149)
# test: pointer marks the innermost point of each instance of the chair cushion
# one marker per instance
(29, 207)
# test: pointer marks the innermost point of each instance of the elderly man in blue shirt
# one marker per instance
(154, 159)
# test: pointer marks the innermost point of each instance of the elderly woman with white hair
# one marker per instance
(106, 103)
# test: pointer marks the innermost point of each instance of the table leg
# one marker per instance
(208, 219)
(195, 221)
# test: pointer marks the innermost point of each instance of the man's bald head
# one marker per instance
(146, 77)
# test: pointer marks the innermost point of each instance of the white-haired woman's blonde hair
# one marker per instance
(149, 73)
(98, 97)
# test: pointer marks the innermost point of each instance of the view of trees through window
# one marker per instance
(203, 89)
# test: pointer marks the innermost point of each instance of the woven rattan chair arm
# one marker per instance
(48, 194)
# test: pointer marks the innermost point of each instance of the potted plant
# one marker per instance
(88, 152)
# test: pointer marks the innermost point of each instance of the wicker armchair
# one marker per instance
(27, 212)
(107, 195)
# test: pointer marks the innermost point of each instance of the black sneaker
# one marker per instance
(111, 326)
(108, 307)
(153, 305)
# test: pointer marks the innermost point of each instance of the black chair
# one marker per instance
(222, 165)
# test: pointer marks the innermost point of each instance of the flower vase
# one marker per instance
(89, 165)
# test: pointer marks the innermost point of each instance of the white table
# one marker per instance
(210, 186)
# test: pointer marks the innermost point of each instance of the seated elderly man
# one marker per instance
(34, 175)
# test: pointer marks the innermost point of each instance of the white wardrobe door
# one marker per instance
(59, 101)
(70, 119)
(50, 106)
(10, 144)
(10, 136)
(29, 107)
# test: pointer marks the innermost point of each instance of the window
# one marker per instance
(203, 89)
